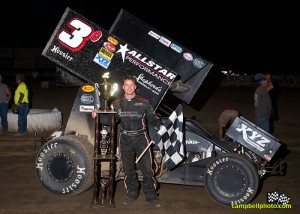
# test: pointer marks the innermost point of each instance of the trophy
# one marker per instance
(106, 89)
(104, 141)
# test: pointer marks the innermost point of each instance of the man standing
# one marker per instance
(21, 104)
(262, 101)
(133, 113)
(5, 95)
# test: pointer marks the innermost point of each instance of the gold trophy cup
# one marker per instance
(106, 90)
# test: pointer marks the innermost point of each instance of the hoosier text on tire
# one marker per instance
(231, 179)
(64, 165)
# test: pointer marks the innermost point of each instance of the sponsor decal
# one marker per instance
(191, 142)
(83, 108)
(112, 40)
(96, 36)
(129, 114)
(253, 138)
(242, 199)
(42, 153)
(267, 157)
(154, 35)
(213, 165)
(101, 61)
(109, 46)
(75, 37)
(88, 88)
(87, 99)
(149, 66)
(105, 53)
(165, 41)
(148, 84)
(199, 63)
(138, 104)
(176, 48)
(188, 56)
(65, 55)
(80, 174)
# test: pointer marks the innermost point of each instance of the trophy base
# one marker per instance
(106, 204)
(106, 111)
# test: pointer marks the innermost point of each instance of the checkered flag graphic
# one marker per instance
(283, 199)
(169, 139)
(276, 198)
(273, 197)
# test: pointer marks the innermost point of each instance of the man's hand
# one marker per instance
(94, 113)
(14, 108)
(270, 84)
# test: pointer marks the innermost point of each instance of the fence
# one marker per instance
(282, 80)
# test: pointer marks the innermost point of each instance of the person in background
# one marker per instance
(225, 119)
(5, 95)
(262, 101)
(134, 112)
(21, 104)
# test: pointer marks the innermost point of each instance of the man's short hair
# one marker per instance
(129, 77)
(20, 77)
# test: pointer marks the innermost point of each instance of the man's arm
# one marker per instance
(153, 118)
(8, 94)
(221, 132)
(20, 98)
(270, 84)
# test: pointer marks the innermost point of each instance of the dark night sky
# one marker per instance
(247, 37)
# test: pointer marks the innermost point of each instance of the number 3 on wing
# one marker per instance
(77, 38)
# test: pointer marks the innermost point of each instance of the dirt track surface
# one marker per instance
(21, 192)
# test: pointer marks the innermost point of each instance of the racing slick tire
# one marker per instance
(38, 120)
(64, 165)
(231, 179)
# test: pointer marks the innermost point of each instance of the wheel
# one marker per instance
(64, 165)
(231, 179)
(38, 120)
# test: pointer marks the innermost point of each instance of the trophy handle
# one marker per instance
(98, 100)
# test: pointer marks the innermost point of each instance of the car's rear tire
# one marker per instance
(231, 179)
(64, 165)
